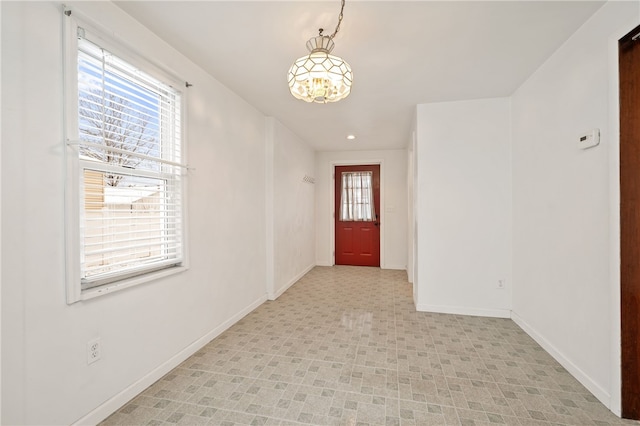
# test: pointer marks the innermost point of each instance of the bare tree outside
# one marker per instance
(112, 120)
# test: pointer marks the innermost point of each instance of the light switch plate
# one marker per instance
(589, 139)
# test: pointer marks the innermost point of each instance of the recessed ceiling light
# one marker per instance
(351, 137)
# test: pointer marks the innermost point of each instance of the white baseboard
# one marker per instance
(395, 267)
(274, 296)
(114, 403)
(463, 310)
(597, 390)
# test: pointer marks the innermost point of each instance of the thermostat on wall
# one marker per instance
(589, 139)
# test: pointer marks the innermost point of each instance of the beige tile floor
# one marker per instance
(345, 346)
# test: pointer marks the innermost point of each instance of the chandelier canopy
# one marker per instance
(321, 77)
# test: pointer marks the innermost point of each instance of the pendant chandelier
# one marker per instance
(321, 77)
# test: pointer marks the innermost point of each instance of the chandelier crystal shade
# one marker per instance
(321, 77)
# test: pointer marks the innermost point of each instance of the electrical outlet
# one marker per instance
(500, 284)
(94, 350)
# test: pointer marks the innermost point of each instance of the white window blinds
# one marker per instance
(356, 202)
(130, 186)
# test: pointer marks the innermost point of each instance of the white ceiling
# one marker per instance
(402, 54)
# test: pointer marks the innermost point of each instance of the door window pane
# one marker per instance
(356, 202)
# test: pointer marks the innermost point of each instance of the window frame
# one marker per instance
(75, 165)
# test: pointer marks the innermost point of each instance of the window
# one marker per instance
(127, 180)
(356, 201)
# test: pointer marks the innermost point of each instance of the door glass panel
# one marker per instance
(356, 201)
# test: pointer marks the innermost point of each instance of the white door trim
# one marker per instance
(615, 391)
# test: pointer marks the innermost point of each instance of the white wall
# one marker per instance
(293, 207)
(0, 223)
(411, 232)
(414, 214)
(393, 194)
(147, 329)
(561, 210)
(463, 195)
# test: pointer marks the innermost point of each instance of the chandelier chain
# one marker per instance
(339, 21)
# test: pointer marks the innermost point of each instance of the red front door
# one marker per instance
(357, 227)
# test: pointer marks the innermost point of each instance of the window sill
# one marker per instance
(92, 293)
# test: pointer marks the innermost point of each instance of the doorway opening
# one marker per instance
(629, 92)
(357, 215)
